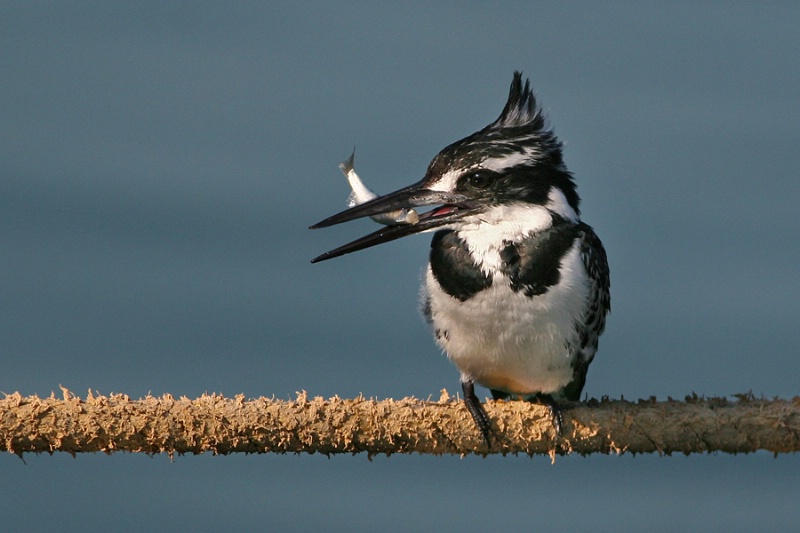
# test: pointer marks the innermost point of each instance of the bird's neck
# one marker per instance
(488, 233)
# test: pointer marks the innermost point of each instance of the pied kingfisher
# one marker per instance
(517, 287)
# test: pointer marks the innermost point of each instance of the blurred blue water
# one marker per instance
(290, 493)
(160, 164)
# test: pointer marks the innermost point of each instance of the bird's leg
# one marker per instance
(476, 410)
(554, 409)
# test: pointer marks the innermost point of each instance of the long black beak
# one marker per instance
(453, 207)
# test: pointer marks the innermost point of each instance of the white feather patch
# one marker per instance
(557, 203)
(498, 164)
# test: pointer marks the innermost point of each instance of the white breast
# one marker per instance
(508, 341)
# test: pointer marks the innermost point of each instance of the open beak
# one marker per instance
(452, 207)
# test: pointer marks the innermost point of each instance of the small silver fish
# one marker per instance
(362, 194)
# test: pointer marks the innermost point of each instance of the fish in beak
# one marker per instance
(392, 209)
(362, 194)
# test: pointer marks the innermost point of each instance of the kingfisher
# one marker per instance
(517, 287)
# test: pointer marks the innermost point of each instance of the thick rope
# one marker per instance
(213, 423)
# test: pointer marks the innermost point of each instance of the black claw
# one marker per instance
(477, 411)
(554, 410)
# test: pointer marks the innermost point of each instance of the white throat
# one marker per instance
(486, 234)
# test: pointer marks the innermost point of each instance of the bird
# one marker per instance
(517, 288)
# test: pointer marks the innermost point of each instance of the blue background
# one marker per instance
(160, 163)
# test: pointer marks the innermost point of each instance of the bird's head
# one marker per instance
(513, 165)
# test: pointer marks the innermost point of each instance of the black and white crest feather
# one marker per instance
(521, 109)
(522, 125)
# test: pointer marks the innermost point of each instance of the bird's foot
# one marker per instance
(477, 411)
(554, 409)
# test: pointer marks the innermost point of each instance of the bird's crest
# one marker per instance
(519, 137)
(521, 109)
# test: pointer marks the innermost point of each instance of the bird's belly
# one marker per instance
(506, 340)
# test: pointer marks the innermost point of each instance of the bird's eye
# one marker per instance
(480, 179)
